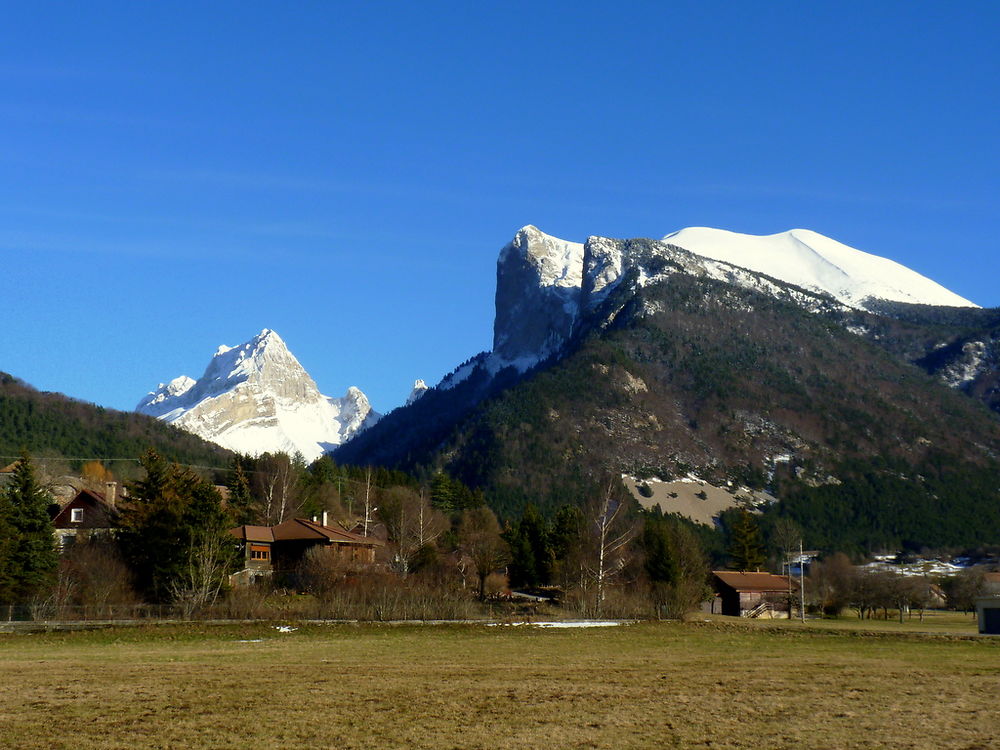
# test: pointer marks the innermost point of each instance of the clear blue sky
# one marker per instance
(175, 176)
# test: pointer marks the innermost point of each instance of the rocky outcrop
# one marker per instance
(538, 297)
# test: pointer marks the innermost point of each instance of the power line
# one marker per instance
(227, 469)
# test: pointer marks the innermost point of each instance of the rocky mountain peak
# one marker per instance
(419, 389)
(257, 397)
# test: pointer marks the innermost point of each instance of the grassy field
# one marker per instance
(704, 684)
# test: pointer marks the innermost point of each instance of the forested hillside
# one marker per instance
(52, 425)
(697, 375)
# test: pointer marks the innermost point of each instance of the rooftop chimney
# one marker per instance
(324, 518)
(111, 493)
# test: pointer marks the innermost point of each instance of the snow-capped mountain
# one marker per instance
(812, 261)
(546, 286)
(419, 389)
(257, 398)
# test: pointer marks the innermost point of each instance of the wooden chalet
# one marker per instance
(752, 594)
(278, 550)
(89, 515)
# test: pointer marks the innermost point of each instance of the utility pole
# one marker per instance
(368, 486)
(802, 584)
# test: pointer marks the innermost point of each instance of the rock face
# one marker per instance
(538, 296)
(257, 398)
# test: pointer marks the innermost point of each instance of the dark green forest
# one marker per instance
(51, 425)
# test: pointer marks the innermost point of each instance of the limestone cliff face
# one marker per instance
(256, 397)
(537, 298)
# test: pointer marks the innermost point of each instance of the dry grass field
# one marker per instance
(708, 684)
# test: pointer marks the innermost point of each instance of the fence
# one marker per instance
(48, 611)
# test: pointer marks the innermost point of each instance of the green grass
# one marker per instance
(719, 684)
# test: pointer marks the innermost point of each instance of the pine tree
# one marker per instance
(8, 541)
(746, 550)
(241, 504)
(442, 492)
(29, 558)
(530, 549)
(172, 524)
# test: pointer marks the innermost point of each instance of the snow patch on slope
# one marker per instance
(815, 262)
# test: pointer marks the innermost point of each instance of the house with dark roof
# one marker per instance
(278, 550)
(752, 594)
(88, 516)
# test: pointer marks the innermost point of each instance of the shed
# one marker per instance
(752, 594)
(988, 613)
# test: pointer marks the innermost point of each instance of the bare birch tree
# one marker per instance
(611, 536)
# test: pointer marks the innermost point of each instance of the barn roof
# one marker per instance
(752, 581)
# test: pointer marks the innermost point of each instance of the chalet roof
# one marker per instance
(299, 529)
(752, 581)
(991, 577)
(253, 533)
(9, 468)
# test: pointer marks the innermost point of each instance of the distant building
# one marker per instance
(89, 515)
(278, 550)
(6, 473)
(988, 613)
(752, 594)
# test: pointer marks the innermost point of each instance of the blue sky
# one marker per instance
(175, 176)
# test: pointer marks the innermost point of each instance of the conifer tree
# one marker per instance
(746, 550)
(172, 521)
(241, 504)
(7, 542)
(530, 549)
(28, 559)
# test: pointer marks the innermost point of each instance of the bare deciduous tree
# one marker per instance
(831, 583)
(410, 522)
(479, 537)
(611, 534)
(201, 581)
(276, 487)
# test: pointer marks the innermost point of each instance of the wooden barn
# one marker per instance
(752, 594)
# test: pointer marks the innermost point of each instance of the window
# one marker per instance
(259, 552)
(76, 515)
